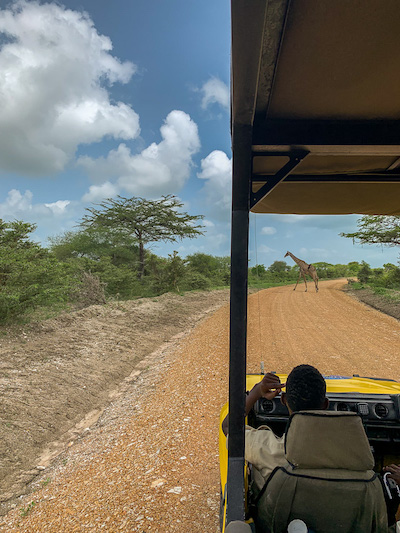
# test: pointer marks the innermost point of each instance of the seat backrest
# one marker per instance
(238, 527)
(329, 483)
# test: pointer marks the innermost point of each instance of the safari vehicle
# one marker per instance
(376, 401)
(315, 124)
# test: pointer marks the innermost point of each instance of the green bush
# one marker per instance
(195, 281)
(32, 278)
(364, 273)
(380, 291)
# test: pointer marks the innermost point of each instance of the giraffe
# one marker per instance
(305, 268)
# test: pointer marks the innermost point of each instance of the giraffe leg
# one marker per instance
(298, 279)
(316, 283)
(305, 281)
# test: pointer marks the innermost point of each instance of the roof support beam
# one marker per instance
(326, 132)
(333, 178)
(273, 181)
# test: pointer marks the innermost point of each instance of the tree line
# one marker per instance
(109, 256)
(384, 230)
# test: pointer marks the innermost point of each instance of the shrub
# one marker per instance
(195, 281)
(90, 291)
(364, 273)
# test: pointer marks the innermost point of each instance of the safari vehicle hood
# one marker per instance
(344, 384)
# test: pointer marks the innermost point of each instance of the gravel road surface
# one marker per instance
(150, 462)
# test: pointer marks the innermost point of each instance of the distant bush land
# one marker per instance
(95, 264)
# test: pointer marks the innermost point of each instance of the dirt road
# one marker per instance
(150, 463)
(330, 330)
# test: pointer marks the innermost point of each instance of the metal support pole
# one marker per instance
(238, 319)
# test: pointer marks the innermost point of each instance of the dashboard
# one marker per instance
(380, 414)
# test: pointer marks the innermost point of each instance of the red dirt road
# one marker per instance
(328, 329)
(150, 464)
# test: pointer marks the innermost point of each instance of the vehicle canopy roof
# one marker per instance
(317, 85)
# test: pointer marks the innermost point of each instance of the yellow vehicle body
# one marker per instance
(338, 387)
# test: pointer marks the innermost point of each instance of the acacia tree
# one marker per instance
(145, 220)
(94, 243)
(377, 229)
(278, 267)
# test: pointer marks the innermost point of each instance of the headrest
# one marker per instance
(327, 439)
(238, 527)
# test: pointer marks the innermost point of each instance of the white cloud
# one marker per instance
(215, 91)
(321, 251)
(216, 170)
(50, 218)
(215, 243)
(293, 219)
(59, 207)
(159, 169)
(21, 206)
(312, 254)
(268, 230)
(16, 202)
(100, 192)
(54, 68)
(208, 223)
(265, 249)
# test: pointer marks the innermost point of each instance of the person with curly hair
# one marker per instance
(305, 390)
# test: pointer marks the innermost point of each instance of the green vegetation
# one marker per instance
(144, 221)
(377, 229)
(30, 276)
(384, 230)
(26, 510)
(107, 257)
(383, 281)
(280, 273)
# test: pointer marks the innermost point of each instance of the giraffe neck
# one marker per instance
(295, 259)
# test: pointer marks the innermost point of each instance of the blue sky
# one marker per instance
(132, 98)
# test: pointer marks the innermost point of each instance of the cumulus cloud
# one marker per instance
(100, 192)
(59, 207)
(214, 91)
(268, 230)
(159, 169)
(21, 206)
(215, 243)
(266, 249)
(216, 170)
(208, 223)
(55, 72)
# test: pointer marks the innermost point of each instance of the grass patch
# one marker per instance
(266, 284)
(357, 285)
(392, 295)
(26, 510)
(389, 294)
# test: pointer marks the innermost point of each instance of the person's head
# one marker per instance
(305, 389)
